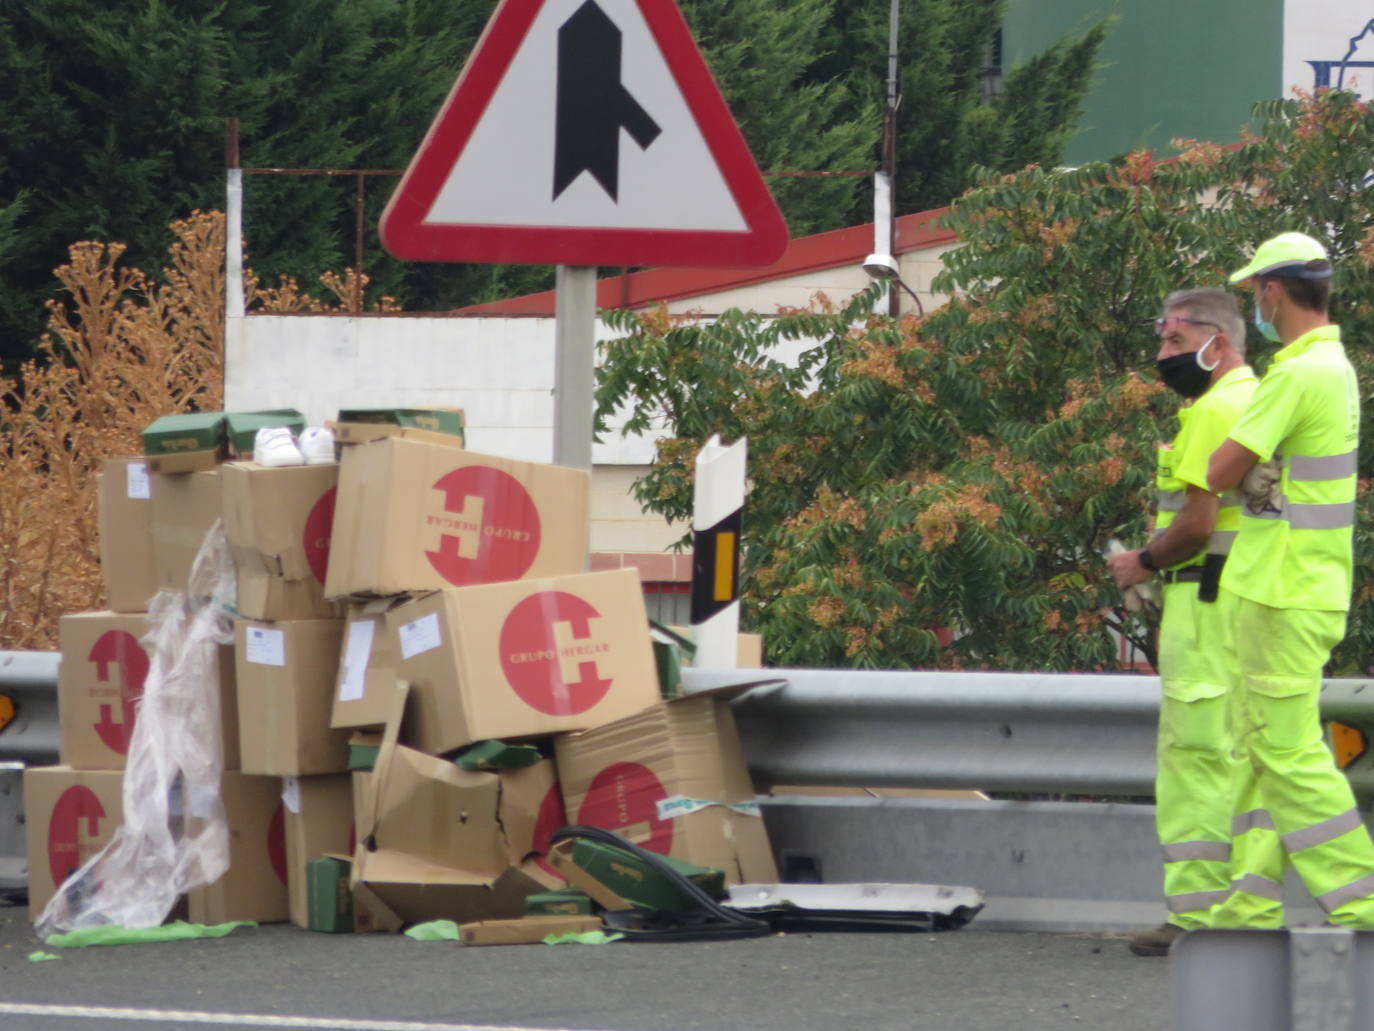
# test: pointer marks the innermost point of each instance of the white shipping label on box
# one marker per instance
(422, 635)
(291, 794)
(265, 647)
(137, 484)
(356, 651)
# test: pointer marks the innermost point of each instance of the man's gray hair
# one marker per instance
(1208, 304)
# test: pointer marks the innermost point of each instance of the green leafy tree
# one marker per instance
(938, 491)
(957, 110)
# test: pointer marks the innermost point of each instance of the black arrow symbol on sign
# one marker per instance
(593, 106)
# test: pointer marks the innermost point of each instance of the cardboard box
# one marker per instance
(99, 684)
(526, 930)
(673, 780)
(437, 842)
(184, 443)
(330, 902)
(278, 522)
(531, 810)
(254, 886)
(286, 673)
(125, 502)
(69, 816)
(367, 666)
(241, 428)
(530, 657)
(444, 426)
(185, 507)
(416, 516)
(319, 823)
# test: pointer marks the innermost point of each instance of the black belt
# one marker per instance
(1186, 575)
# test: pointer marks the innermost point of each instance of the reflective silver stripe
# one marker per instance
(1171, 500)
(1255, 819)
(1320, 833)
(1336, 516)
(1261, 887)
(1337, 897)
(1322, 517)
(1196, 900)
(1324, 467)
(1220, 542)
(1184, 850)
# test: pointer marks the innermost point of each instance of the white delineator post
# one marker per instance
(718, 507)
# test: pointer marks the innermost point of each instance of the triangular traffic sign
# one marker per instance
(585, 132)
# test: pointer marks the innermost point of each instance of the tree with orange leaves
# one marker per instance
(937, 492)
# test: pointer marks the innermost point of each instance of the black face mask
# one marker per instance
(1185, 373)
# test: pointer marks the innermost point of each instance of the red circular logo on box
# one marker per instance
(488, 529)
(623, 795)
(276, 842)
(117, 655)
(548, 653)
(319, 524)
(75, 806)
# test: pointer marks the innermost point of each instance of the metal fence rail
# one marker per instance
(1015, 732)
(29, 681)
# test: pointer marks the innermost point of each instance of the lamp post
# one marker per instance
(881, 263)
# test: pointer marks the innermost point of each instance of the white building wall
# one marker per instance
(500, 371)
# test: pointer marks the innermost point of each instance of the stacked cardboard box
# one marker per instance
(396, 609)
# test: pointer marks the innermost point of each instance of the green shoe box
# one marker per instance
(567, 902)
(638, 883)
(331, 901)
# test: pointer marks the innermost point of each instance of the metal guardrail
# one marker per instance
(29, 680)
(1090, 734)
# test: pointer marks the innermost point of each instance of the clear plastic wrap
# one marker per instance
(174, 836)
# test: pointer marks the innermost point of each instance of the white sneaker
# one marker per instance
(317, 445)
(274, 446)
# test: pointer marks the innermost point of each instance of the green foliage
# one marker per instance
(112, 119)
(939, 491)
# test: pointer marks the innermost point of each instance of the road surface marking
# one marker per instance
(246, 1019)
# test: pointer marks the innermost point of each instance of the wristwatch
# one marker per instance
(1147, 560)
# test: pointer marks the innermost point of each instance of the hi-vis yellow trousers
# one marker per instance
(1194, 784)
(1291, 804)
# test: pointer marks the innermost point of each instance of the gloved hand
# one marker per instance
(1260, 487)
(1143, 597)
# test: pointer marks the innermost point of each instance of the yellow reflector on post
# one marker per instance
(1347, 742)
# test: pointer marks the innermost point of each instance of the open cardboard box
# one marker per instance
(671, 779)
(438, 842)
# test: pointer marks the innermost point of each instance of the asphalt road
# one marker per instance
(280, 976)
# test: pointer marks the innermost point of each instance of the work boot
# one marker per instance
(1155, 941)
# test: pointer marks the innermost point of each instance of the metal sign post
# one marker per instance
(574, 365)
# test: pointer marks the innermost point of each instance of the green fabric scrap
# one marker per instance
(178, 930)
(434, 931)
(42, 957)
(582, 938)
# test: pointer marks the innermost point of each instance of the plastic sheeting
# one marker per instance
(174, 836)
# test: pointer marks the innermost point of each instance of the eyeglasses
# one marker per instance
(1168, 323)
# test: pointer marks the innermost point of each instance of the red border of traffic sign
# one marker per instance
(405, 235)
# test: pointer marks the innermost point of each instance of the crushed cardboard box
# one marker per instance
(436, 842)
(367, 666)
